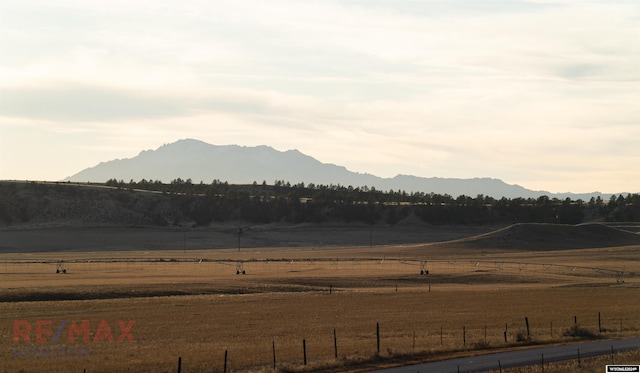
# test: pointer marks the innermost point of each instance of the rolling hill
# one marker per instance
(537, 236)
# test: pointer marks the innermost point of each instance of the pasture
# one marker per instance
(349, 308)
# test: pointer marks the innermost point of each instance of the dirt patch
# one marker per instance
(132, 292)
(409, 280)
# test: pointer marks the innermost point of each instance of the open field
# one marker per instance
(192, 304)
(56, 237)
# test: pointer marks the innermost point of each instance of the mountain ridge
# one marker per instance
(236, 164)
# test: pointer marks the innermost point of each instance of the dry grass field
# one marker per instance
(193, 305)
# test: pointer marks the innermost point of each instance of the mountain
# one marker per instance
(199, 161)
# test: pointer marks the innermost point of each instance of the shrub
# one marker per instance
(482, 345)
(577, 332)
(521, 336)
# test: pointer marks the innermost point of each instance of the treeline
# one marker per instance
(299, 203)
(183, 202)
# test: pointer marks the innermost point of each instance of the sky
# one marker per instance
(541, 93)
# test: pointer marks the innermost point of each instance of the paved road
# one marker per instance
(520, 358)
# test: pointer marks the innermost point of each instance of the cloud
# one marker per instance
(85, 103)
(433, 88)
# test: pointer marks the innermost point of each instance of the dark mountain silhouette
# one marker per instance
(199, 161)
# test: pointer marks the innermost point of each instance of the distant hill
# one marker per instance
(199, 161)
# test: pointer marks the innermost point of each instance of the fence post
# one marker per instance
(179, 363)
(612, 362)
(378, 337)
(440, 336)
(274, 353)
(506, 328)
(578, 358)
(225, 362)
(335, 344)
(464, 335)
(599, 324)
(526, 320)
(304, 350)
